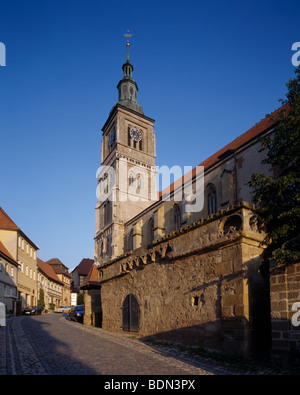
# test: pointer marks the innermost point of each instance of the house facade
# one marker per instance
(8, 279)
(80, 273)
(49, 282)
(64, 276)
(23, 251)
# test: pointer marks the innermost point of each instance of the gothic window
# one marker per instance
(138, 183)
(150, 231)
(130, 240)
(107, 212)
(211, 200)
(177, 216)
(130, 179)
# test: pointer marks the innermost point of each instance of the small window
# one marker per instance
(129, 137)
(195, 301)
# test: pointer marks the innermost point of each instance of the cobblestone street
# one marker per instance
(50, 344)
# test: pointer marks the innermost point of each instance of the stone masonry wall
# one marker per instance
(191, 286)
(285, 305)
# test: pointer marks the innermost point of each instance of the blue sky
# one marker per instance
(206, 72)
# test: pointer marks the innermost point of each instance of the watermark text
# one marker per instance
(296, 55)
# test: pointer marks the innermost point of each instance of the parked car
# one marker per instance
(32, 310)
(66, 309)
(76, 313)
(62, 309)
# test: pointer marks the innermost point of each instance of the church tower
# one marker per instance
(127, 177)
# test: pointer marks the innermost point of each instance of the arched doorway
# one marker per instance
(130, 314)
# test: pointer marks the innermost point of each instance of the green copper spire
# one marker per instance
(127, 87)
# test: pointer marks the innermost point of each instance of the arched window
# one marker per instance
(177, 217)
(138, 183)
(211, 200)
(130, 179)
(150, 231)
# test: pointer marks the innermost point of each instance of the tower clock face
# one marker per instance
(135, 134)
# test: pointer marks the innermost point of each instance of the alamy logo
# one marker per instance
(296, 56)
(2, 54)
(296, 316)
(133, 183)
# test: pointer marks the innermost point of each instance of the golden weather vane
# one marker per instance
(128, 35)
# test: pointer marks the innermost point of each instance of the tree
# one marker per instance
(278, 197)
(41, 301)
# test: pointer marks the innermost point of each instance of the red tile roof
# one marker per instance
(58, 266)
(92, 278)
(84, 266)
(48, 270)
(257, 130)
(6, 222)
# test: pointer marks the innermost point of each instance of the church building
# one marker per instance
(183, 263)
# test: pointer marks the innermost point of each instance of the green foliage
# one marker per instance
(278, 197)
(41, 301)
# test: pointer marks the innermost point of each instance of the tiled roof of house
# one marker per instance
(261, 127)
(48, 270)
(58, 266)
(84, 266)
(6, 222)
(6, 253)
(91, 279)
